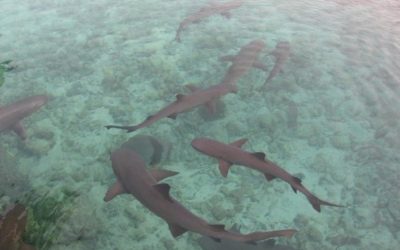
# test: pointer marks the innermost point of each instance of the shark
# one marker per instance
(243, 61)
(184, 103)
(229, 154)
(135, 179)
(207, 11)
(12, 114)
(281, 54)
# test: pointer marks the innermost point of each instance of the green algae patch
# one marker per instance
(45, 215)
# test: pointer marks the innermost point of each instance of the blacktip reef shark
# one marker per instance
(133, 178)
(12, 114)
(243, 61)
(229, 154)
(211, 9)
(184, 103)
(281, 54)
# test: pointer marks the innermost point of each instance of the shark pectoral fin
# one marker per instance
(227, 58)
(191, 87)
(211, 107)
(160, 174)
(176, 230)
(226, 14)
(179, 97)
(260, 65)
(113, 191)
(172, 116)
(274, 53)
(218, 227)
(259, 155)
(269, 177)
(215, 239)
(239, 143)
(164, 188)
(224, 167)
(19, 130)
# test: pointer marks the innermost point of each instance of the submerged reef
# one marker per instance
(5, 66)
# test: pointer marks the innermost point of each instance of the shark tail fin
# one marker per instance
(316, 202)
(127, 128)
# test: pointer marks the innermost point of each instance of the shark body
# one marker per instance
(133, 178)
(243, 61)
(212, 9)
(184, 103)
(229, 154)
(281, 54)
(12, 114)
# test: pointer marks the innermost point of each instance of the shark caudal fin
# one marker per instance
(127, 128)
(316, 203)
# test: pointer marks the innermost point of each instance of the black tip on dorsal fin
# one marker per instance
(215, 239)
(179, 97)
(164, 188)
(296, 180)
(218, 227)
(172, 116)
(259, 155)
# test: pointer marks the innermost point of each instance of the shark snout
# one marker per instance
(199, 144)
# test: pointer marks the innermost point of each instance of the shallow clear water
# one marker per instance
(331, 118)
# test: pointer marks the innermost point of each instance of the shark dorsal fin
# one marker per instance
(192, 87)
(164, 188)
(218, 227)
(297, 181)
(172, 116)
(239, 142)
(113, 191)
(160, 174)
(179, 97)
(259, 155)
(176, 230)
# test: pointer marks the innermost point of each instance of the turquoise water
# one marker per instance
(331, 118)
